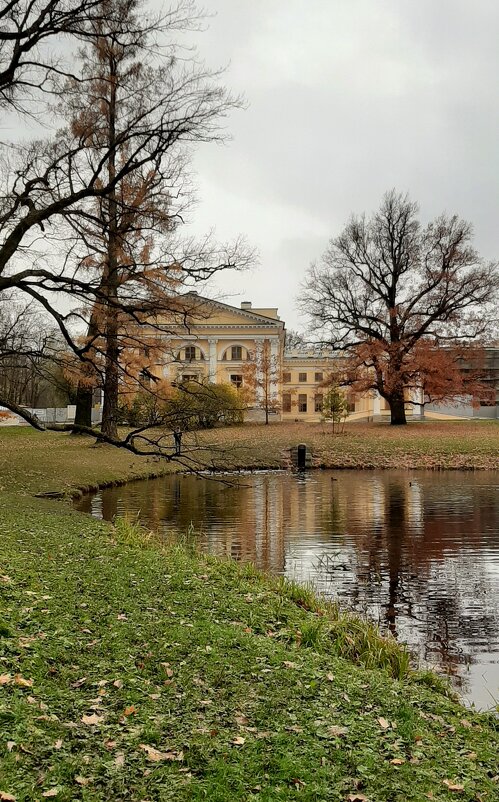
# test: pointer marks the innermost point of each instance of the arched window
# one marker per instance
(190, 353)
(235, 353)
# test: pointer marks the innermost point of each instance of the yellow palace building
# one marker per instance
(215, 341)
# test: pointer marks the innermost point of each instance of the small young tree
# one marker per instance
(261, 376)
(335, 407)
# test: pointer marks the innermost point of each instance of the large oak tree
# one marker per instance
(390, 292)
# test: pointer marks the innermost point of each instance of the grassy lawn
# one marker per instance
(129, 672)
(473, 445)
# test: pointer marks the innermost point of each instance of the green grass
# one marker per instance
(251, 689)
(130, 671)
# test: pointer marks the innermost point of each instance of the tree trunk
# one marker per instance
(397, 408)
(83, 414)
(109, 425)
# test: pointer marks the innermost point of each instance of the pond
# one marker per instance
(417, 552)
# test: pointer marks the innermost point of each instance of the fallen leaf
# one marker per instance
(466, 723)
(118, 683)
(5, 679)
(110, 744)
(241, 720)
(330, 677)
(58, 744)
(453, 786)
(289, 664)
(5, 797)
(130, 710)
(10, 745)
(24, 683)
(156, 756)
(51, 792)
(383, 723)
(122, 617)
(337, 731)
(397, 761)
(238, 740)
(81, 780)
(79, 682)
(357, 798)
(94, 719)
(119, 761)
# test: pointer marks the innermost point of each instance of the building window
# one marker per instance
(302, 377)
(236, 353)
(190, 353)
(302, 403)
(319, 377)
(286, 377)
(318, 402)
(351, 402)
(236, 380)
(286, 402)
(189, 377)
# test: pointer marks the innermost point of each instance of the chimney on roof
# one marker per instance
(245, 304)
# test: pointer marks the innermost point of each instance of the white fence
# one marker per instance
(46, 415)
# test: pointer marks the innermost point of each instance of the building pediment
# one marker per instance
(208, 313)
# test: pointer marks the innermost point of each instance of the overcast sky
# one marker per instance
(346, 99)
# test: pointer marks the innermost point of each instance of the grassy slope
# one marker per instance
(189, 657)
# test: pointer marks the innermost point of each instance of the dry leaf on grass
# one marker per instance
(5, 797)
(24, 683)
(51, 792)
(5, 679)
(156, 756)
(383, 723)
(239, 740)
(337, 731)
(92, 720)
(453, 786)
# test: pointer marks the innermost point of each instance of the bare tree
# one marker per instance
(31, 367)
(261, 376)
(388, 289)
(77, 180)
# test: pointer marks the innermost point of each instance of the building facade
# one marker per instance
(215, 342)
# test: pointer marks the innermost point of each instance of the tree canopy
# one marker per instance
(396, 296)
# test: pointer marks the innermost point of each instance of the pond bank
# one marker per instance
(133, 672)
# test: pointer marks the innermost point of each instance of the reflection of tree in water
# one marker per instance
(408, 549)
(413, 568)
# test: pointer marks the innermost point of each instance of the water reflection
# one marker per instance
(418, 552)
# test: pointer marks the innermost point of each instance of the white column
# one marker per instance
(259, 344)
(274, 366)
(212, 373)
(376, 403)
